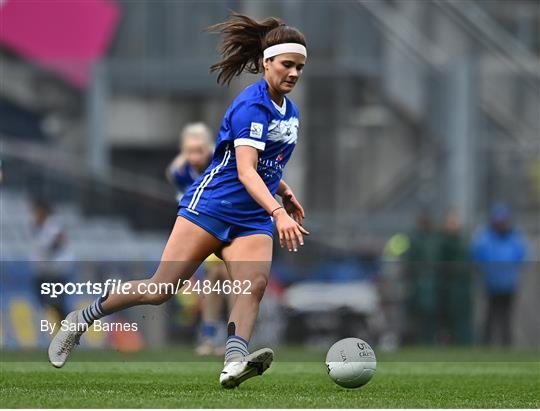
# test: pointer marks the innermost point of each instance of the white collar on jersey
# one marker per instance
(283, 108)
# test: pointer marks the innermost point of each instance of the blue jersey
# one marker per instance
(184, 177)
(253, 120)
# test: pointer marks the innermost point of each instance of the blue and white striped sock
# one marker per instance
(235, 348)
(94, 311)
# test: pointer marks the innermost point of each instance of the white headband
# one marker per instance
(284, 48)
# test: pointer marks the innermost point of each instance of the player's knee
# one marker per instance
(258, 286)
(213, 273)
(155, 293)
(156, 299)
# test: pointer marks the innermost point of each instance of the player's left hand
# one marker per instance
(293, 207)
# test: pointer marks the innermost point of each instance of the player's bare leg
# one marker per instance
(248, 261)
(186, 247)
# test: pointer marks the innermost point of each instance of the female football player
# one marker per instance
(231, 209)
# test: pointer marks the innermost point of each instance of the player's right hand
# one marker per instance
(290, 232)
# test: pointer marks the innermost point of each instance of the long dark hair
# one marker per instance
(244, 40)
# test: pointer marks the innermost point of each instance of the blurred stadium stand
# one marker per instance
(90, 238)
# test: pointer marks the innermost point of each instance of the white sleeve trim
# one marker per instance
(259, 145)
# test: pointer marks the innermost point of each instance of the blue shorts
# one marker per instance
(222, 230)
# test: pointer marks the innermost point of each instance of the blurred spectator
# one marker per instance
(455, 284)
(499, 250)
(50, 254)
(420, 271)
(392, 290)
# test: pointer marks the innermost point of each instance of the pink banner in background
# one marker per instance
(66, 36)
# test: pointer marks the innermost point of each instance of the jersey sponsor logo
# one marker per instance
(256, 130)
(270, 168)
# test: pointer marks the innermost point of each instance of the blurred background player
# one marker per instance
(50, 254)
(195, 156)
(212, 306)
(455, 284)
(499, 249)
(421, 271)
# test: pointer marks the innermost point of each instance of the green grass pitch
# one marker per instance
(409, 378)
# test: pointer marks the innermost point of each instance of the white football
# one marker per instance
(351, 362)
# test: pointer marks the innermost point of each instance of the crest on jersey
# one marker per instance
(256, 130)
(284, 131)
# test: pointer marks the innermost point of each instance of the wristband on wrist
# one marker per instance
(273, 211)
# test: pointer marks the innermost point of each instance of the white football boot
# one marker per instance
(65, 339)
(236, 372)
